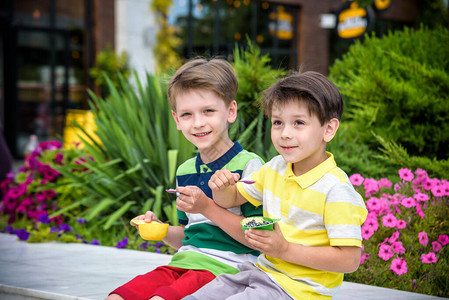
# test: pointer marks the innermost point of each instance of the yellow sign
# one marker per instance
(283, 29)
(352, 22)
(71, 134)
(382, 4)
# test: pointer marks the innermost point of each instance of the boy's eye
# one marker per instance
(208, 110)
(185, 115)
(277, 123)
(297, 122)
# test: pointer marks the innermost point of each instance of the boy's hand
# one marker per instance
(271, 243)
(192, 199)
(147, 217)
(222, 179)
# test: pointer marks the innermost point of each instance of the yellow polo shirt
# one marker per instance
(319, 208)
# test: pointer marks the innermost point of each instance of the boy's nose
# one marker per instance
(286, 132)
(198, 121)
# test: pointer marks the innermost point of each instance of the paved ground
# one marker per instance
(60, 271)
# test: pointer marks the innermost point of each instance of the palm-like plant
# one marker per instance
(136, 157)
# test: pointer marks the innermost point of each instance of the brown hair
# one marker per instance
(321, 96)
(216, 75)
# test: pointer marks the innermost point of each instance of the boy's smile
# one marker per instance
(299, 136)
(203, 118)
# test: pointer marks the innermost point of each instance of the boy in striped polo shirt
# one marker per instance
(201, 94)
(319, 235)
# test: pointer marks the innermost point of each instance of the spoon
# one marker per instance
(173, 191)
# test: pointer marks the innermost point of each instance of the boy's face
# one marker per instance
(203, 118)
(299, 137)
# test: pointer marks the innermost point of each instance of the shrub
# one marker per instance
(396, 86)
(405, 234)
(254, 74)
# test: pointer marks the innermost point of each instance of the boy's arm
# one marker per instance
(175, 234)
(224, 189)
(340, 259)
(192, 199)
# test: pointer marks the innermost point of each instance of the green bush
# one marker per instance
(254, 74)
(396, 86)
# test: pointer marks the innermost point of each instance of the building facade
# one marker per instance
(47, 47)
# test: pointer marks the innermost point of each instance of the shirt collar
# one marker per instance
(220, 162)
(312, 176)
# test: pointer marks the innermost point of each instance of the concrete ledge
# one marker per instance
(18, 293)
(87, 272)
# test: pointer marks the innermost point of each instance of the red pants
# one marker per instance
(170, 283)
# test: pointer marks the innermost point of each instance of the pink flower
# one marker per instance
(401, 224)
(427, 184)
(393, 237)
(408, 202)
(398, 247)
(385, 182)
(423, 238)
(445, 184)
(372, 222)
(367, 232)
(371, 186)
(364, 257)
(436, 247)
(374, 204)
(398, 266)
(389, 220)
(356, 179)
(429, 258)
(59, 157)
(40, 196)
(406, 174)
(49, 194)
(385, 252)
(421, 197)
(17, 191)
(397, 187)
(437, 191)
(443, 239)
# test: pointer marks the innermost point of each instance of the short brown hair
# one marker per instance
(319, 93)
(216, 75)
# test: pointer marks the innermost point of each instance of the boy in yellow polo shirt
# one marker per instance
(318, 238)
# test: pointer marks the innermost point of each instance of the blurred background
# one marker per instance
(52, 51)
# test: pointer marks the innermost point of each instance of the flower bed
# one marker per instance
(405, 234)
(37, 191)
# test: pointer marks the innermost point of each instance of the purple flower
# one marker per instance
(81, 221)
(54, 229)
(43, 218)
(122, 244)
(95, 242)
(159, 244)
(22, 234)
(9, 229)
(10, 175)
(65, 227)
(144, 245)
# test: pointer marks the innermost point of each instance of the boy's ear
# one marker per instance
(175, 116)
(232, 112)
(331, 129)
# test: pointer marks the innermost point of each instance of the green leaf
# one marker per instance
(116, 215)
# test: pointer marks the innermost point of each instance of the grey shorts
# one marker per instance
(249, 283)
